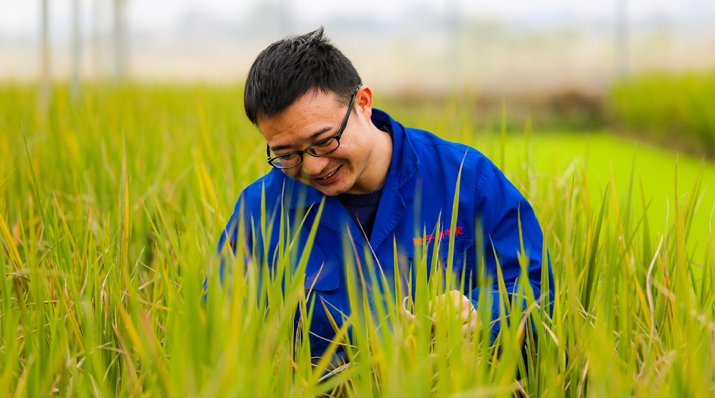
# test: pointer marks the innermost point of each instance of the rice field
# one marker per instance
(110, 211)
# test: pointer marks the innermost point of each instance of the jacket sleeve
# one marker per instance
(499, 205)
(230, 235)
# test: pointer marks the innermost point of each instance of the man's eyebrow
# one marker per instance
(314, 135)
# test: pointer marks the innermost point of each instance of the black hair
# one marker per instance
(291, 67)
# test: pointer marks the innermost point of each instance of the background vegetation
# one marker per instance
(110, 209)
(668, 109)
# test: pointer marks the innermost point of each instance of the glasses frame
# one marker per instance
(309, 149)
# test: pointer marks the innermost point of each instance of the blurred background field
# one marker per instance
(675, 111)
(566, 65)
(639, 68)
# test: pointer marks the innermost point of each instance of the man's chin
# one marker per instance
(334, 189)
(329, 190)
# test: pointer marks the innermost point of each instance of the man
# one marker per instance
(327, 143)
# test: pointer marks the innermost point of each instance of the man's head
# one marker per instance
(298, 92)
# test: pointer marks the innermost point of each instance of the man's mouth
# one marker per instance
(329, 175)
(328, 178)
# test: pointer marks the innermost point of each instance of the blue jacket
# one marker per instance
(418, 192)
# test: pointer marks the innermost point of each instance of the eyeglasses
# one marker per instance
(317, 149)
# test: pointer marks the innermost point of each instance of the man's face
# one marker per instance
(315, 116)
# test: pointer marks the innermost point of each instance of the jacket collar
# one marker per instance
(403, 167)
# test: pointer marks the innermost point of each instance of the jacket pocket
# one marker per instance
(462, 254)
(463, 260)
(322, 275)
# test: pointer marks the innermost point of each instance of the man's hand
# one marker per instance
(460, 305)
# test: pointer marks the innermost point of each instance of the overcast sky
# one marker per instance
(21, 17)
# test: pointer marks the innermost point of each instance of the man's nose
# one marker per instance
(312, 166)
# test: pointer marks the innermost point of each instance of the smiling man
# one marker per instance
(327, 143)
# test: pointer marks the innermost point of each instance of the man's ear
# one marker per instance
(363, 101)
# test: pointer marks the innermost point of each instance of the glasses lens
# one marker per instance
(287, 161)
(324, 148)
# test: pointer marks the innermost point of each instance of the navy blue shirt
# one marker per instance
(362, 208)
